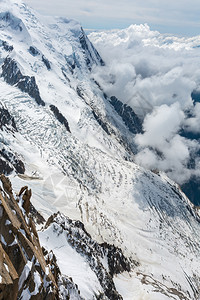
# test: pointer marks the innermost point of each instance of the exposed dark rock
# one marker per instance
(60, 117)
(7, 47)
(128, 115)
(11, 72)
(52, 261)
(101, 123)
(11, 158)
(117, 262)
(65, 75)
(29, 86)
(33, 51)
(88, 49)
(12, 21)
(71, 62)
(80, 92)
(83, 41)
(93, 252)
(13, 76)
(46, 62)
(6, 119)
(26, 194)
(10, 161)
(5, 167)
(7, 186)
(69, 289)
(105, 96)
(36, 216)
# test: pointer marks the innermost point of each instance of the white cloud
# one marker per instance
(162, 147)
(155, 75)
(160, 126)
(161, 68)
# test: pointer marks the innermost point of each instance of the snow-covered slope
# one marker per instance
(77, 148)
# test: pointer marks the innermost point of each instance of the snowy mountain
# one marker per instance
(117, 230)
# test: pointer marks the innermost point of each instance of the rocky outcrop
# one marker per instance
(46, 62)
(27, 270)
(36, 216)
(101, 123)
(68, 289)
(128, 115)
(24, 271)
(91, 54)
(13, 76)
(6, 46)
(8, 278)
(5, 167)
(33, 51)
(9, 160)
(13, 160)
(11, 21)
(60, 117)
(6, 119)
(94, 253)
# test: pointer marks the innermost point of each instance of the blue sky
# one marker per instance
(167, 16)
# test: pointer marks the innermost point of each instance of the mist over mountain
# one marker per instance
(80, 218)
(158, 76)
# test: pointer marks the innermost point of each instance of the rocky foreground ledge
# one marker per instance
(24, 271)
(28, 271)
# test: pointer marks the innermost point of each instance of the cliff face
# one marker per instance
(9, 159)
(24, 272)
(13, 76)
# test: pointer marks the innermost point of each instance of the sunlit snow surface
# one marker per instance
(84, 174)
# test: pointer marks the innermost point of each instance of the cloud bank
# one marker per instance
(156, 75)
